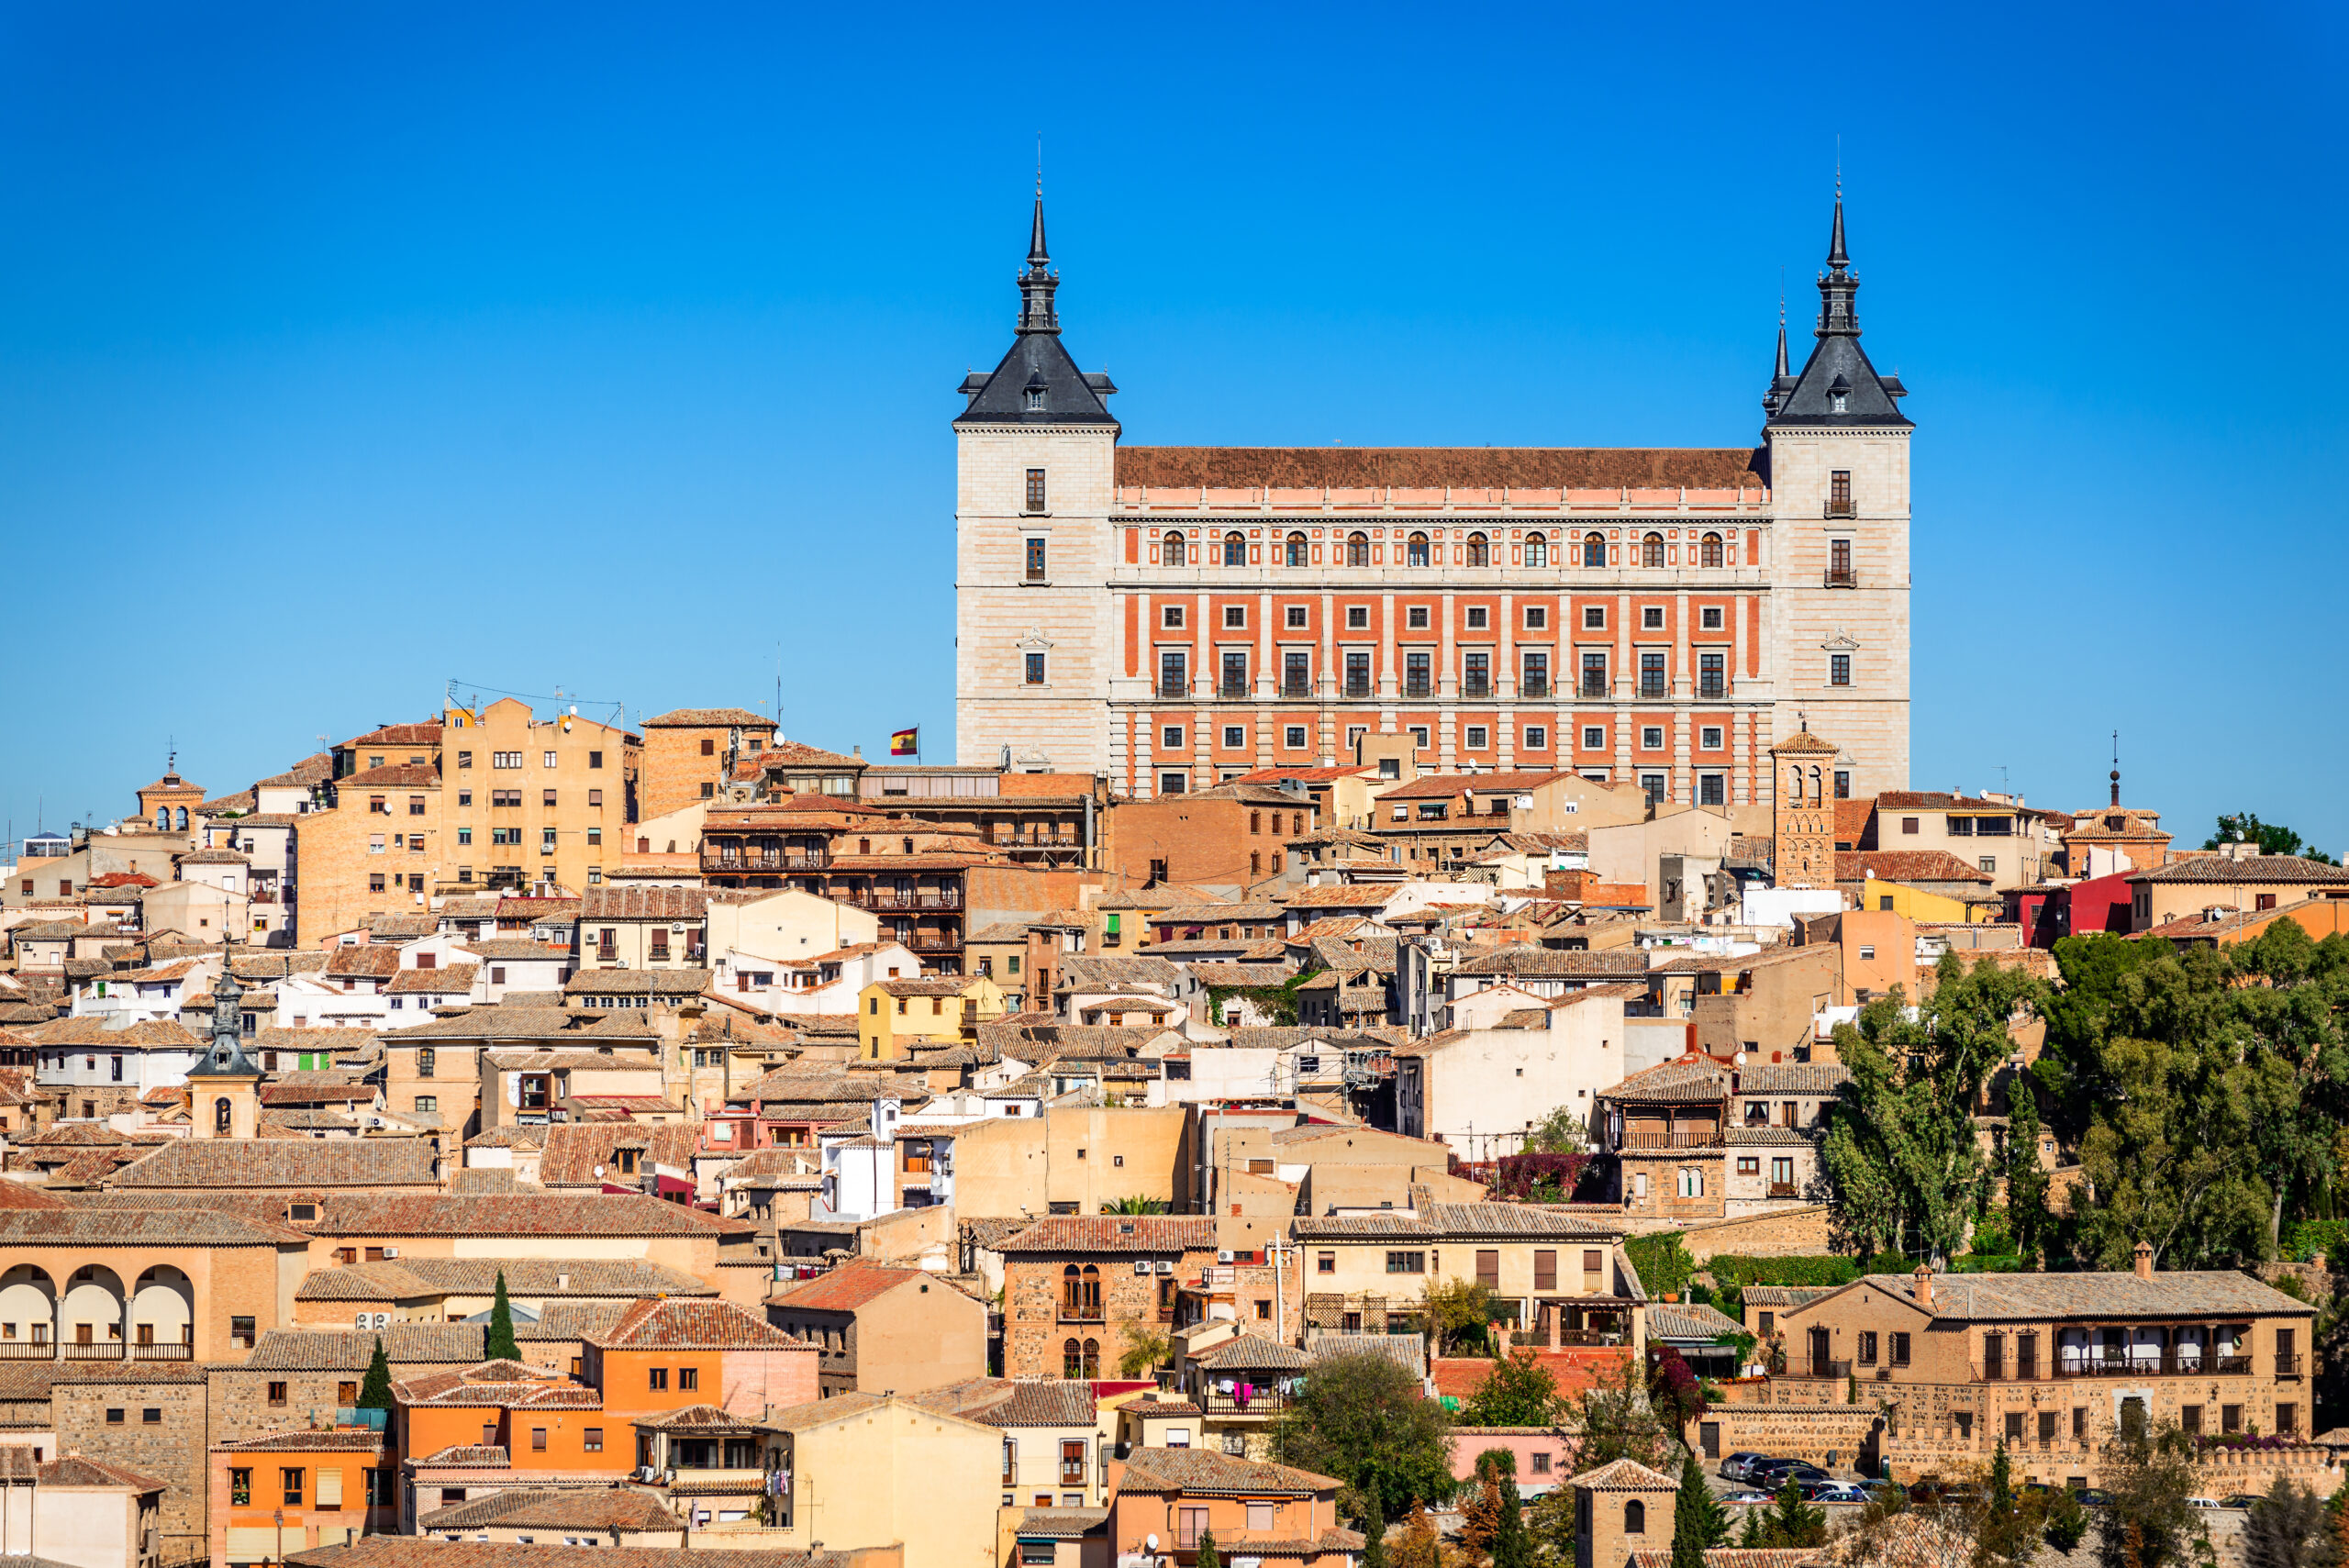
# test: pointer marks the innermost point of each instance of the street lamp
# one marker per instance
(277, 1517)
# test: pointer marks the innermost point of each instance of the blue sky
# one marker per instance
(347, 350)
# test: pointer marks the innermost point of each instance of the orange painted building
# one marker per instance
(543, 1420)
(665, 1354)
(293, 1491)
(1253, 1508)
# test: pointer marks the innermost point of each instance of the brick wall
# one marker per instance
(172, 1450)
(1034, 1337)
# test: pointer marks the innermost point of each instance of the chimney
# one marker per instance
(2143, 1254)
(1923, 1290)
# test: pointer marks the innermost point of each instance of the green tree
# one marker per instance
(1512, 1547)
(499, 1344)
(1560, 1132)
(2067, 1521)
(1698, 1521)
(2287, 1529)
(2273, 839)
(1373, 1522)
(1134, 1203)
(1901, 1156)
(1519, 1393)
(1362, 1416)
(1620, 1421)
(1790, 1521)
(1207, 1557)
(2147, 1477)
(1145, 1348)
(2027, 1218)
(375, 1389)
(1454, 1312)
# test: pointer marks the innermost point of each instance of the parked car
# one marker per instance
(1775, 1473)
(2201, 1502)
(2240, 1500)
(2092, 1497)
(1832, 1492)
(1740, 1466)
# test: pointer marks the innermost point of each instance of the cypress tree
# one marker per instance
(499, 1344)
(1374, 1530)
(1512, 1548)
(376, 1390)
(1207, 1557)
(1698, 1521)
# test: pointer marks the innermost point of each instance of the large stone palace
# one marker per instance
(1174, 616)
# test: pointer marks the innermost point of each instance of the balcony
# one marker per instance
(1840, 577)
(726, 858)
(1297, 687)
(1823, 1369)
(1712, 687)
(1173, 686)
(1533, 686)
(1841, 506)
(162, 1352)
(1782, 1189)
(1262, 1402)
(1702, 1138)
(1476, 686)
(2169, 1364)
(103, 1351)
(1082, 1312)
(27, 1349)
(904, 898)
(1358, 685)
(1654, 686)
(933, 943)
(2287, 1364)
(1231, 690)
(1594, 685)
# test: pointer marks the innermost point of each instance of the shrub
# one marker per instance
(1663, 1264)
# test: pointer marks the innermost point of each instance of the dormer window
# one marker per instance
(1035, 399)
(1837, 403)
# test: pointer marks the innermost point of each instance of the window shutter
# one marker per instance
(330, 1488)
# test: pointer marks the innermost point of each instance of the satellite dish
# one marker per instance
(1150, 1541)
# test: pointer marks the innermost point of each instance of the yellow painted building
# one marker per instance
(1924, 907)
(868, 1468)
(892, 1016)
(493, 798)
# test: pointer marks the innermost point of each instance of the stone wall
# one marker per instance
(171, 1448)
(1781, 1233)
(1830, 1435)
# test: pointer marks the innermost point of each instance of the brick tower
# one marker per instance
(1802, 816)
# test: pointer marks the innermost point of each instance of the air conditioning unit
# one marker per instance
(1143, 1266)
(391, 1251)
(1165, 1265)
(1223, 1257)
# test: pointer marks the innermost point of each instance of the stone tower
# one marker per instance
(1839, 474)
(1036, 452)
(1802, 812)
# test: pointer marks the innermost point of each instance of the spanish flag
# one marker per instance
(906, 742)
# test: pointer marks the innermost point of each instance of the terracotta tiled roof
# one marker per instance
(1794, 1078)
(642, 903)
(417, 1551)
(1624, 1475)
(2219, 871)
(391, 775)
(690, 1325)
(575, 1150)
(1692, 1320)
(1252, 1351)
(158, 1035)
(284, 1162)
(1445, 786)
(1682, 1081)
(535, 1214)
(453, 980)
(708, 719)
(2042, 1297)
(630, 1278)
(1203, 1471)
(1539, 962)
(1571, 468)
(843, 1289)
(666, 982)
(1906, 865)
(363, 960)
(698, 1419)
(609, 1509)
(306, 1442)
(1114, 1233)
(467, 1456)
(1466, 1219)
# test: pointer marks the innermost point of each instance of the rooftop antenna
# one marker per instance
(1039, 165)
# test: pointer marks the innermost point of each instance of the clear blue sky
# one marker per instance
(348, 349)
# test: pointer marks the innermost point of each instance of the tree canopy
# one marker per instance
(1360, 1416)
(2273, 837)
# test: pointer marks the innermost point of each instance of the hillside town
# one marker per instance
(518, 1128)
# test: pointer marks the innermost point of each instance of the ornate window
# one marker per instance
(1537, 549)
(1235, 548)
(1295, 549)
(1358, 549)
(1480, 552)
(1072, 1359)
(1416, 550)
(1652, 551)
(1712, 549)
(1594, 549)
(1170, 553)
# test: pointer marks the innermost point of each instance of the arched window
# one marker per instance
(1295, 549)
(1652, 551)
(1072, 1360)
(1170, 552)
(1712, 549)
(1815, 793)
(1537, 549)
(1635, 1517)
(1358, 549)
(163, 819)
(220, 1115)
(1092, 1358)
(1692, 1182)
(1235, 548)
(1480, 553)
(1417, 551)
(1796, 795)
(180, 819)
(1594, 549)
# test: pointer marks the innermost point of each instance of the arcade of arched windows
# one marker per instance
(87, 1313)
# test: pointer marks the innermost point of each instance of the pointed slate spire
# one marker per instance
(1038, 282)
(227, 1058)
(1838, 286)
(1782, 382)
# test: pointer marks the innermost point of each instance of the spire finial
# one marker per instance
(1838, 287)
(1038, 282)
(2116, 770)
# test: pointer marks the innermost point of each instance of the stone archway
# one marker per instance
(162, 1314)
(91, 1311)
(27, 1308)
